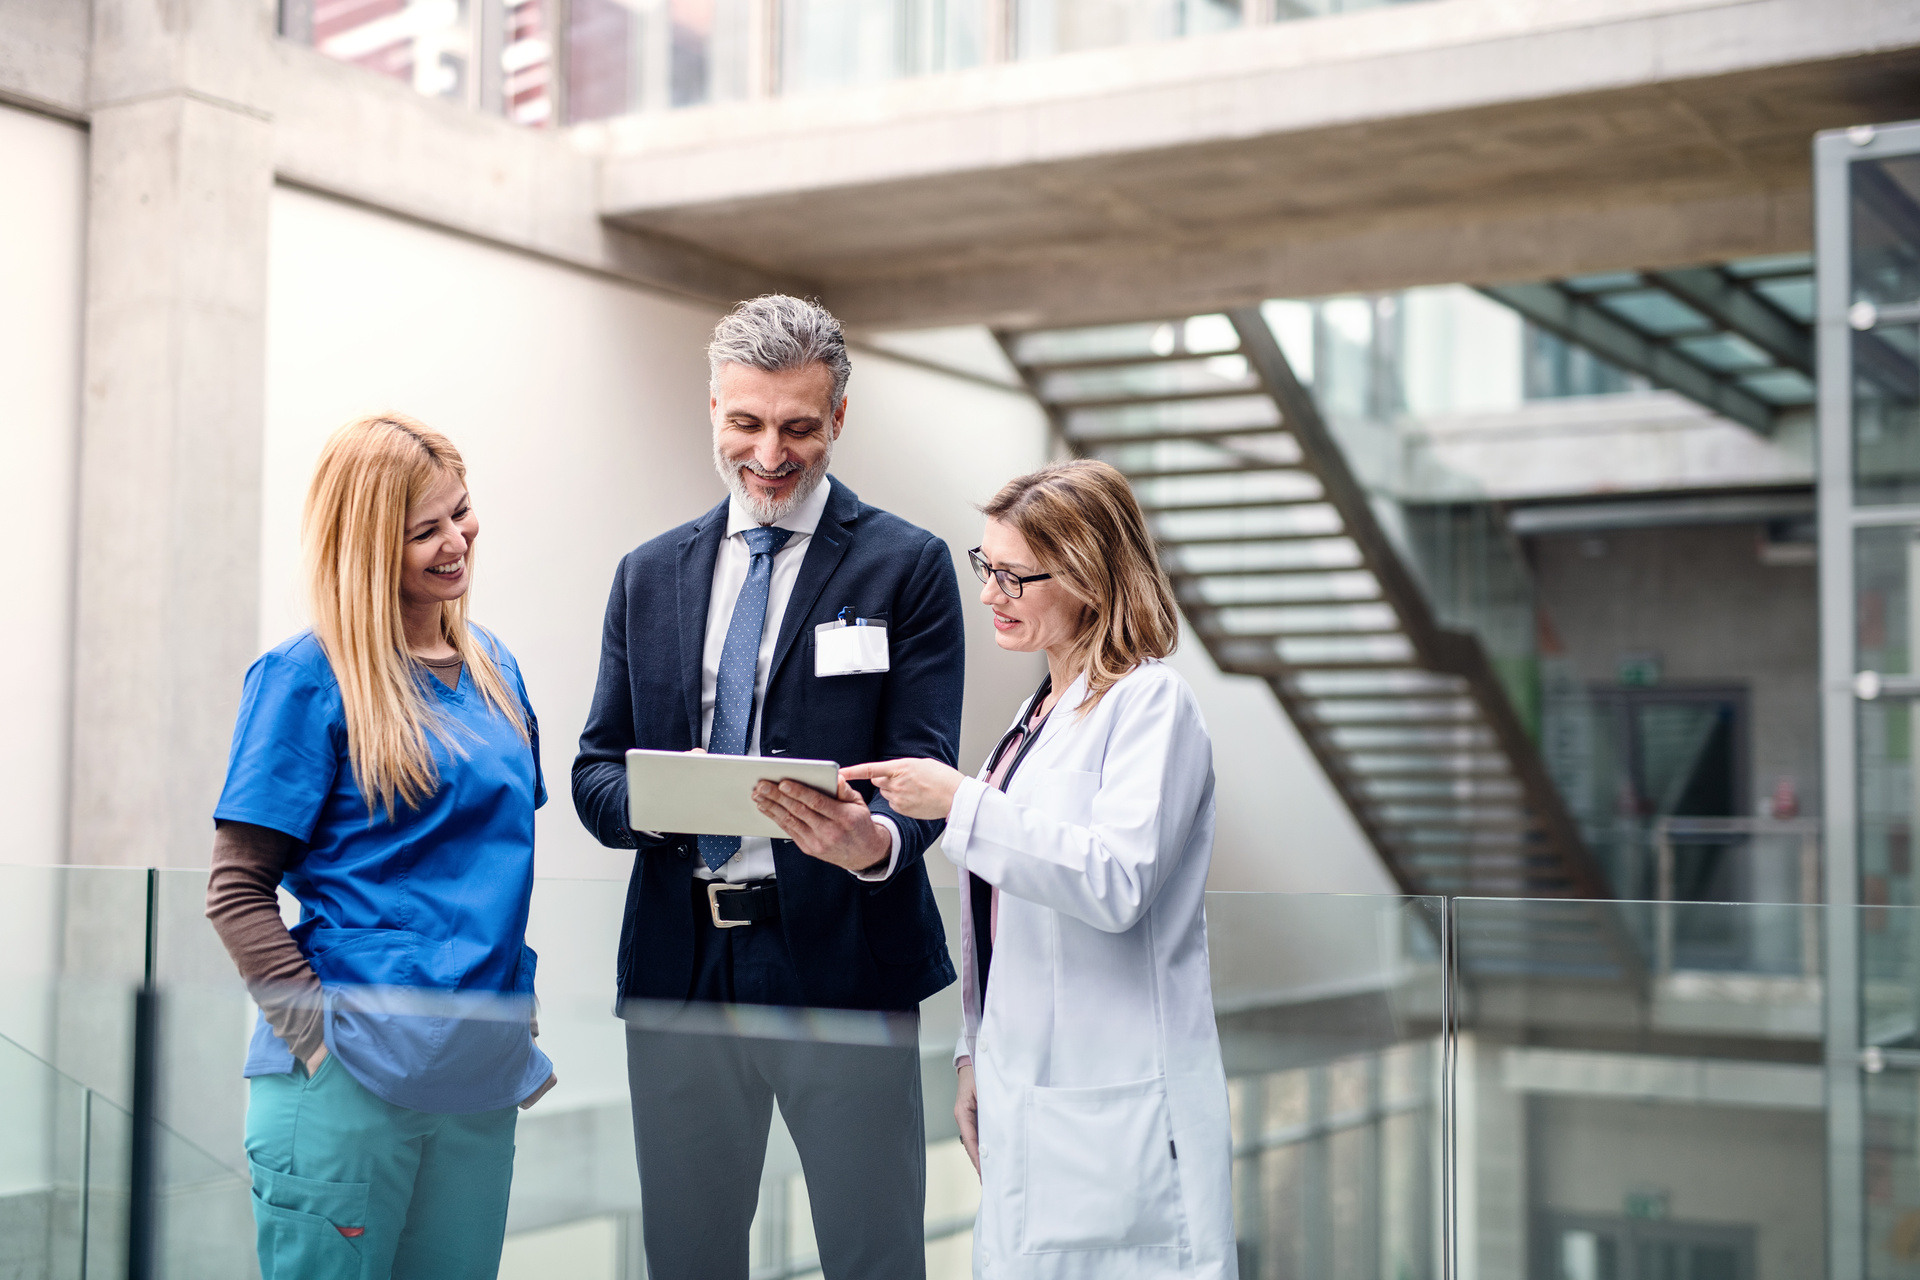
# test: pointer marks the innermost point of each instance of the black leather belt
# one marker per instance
(732, 905)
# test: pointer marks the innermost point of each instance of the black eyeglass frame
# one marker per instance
(1011, 583)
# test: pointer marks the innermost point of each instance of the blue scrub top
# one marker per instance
(416, 926)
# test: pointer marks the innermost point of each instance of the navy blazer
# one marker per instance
(855, 944)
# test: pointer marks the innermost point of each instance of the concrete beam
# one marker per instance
(1428, 120)
(344, 132)
(1104, 282)
(43, 56)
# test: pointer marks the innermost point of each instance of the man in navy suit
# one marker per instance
(711, 644)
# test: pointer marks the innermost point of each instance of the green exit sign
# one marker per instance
(1638, 670)
(1648, 1206)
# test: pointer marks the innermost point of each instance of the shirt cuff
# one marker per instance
(893, 854)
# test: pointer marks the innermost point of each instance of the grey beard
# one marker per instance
(762, 511)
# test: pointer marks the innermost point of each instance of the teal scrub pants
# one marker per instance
(348, 1187)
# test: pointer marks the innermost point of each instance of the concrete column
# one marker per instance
(166, 616)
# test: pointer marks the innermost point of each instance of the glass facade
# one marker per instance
(497, 56)
(540, 62)
(1884, 288)
(1867, 223)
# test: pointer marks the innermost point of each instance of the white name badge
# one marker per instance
(842, 650)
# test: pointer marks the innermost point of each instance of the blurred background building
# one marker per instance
(1538, 494)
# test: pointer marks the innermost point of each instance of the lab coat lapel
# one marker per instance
(825, 550)
(695, 590)
(1065, 714)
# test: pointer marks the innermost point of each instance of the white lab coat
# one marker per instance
(1105, 1142)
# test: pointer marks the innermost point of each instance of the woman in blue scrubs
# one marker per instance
(385, 770)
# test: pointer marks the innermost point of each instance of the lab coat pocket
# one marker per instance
(1100, 1169)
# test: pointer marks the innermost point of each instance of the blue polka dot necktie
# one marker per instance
(733, 692)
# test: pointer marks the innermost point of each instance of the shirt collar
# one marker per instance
(803, 519)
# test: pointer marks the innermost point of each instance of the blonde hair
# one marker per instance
(1088, 531)
(372, 471)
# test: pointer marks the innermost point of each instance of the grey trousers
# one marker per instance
(702, 1105)
(703, 1101)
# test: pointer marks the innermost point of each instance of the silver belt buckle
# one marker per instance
(714, 889)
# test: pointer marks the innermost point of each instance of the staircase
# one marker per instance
(1284, 571)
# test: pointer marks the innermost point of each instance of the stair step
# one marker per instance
(1117, 362)
(1435, 835)
(1234, 504)
(1249, 468)
(1167, 435)
(1321, 633)
(1357, 712)
(1503, 774)
(1072, 405)
(1304, 602)
(1425, 817)
(1405, 737)
(1329, 532)
(1412, 682)
(1435, 762)
(1177, 570)
(1328, 652)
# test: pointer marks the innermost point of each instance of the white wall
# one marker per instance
(579, 404)
(42, 243)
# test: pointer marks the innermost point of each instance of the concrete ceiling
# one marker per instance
(1278, 179)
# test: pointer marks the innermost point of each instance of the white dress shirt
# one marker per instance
(754, 860)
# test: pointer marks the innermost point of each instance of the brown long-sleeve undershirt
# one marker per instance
(248, 862)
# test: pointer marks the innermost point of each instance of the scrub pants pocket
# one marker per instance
(307, 1229)
(347, 1186)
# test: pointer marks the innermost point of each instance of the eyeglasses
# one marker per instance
(1011, 583)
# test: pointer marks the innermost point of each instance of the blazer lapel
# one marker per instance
(825, 550)
(697, 556)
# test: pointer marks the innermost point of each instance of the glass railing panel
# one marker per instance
(67, 1182)
(1657, 1109)
(203, 1212)
(1330, 1011)
(62, 1173)
(72, 953)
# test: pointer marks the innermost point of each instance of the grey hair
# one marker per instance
(776, 331)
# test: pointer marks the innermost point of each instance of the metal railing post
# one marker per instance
(142, 1209)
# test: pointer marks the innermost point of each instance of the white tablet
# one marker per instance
(712, 795)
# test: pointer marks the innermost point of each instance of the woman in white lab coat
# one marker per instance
(1089, 1053)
